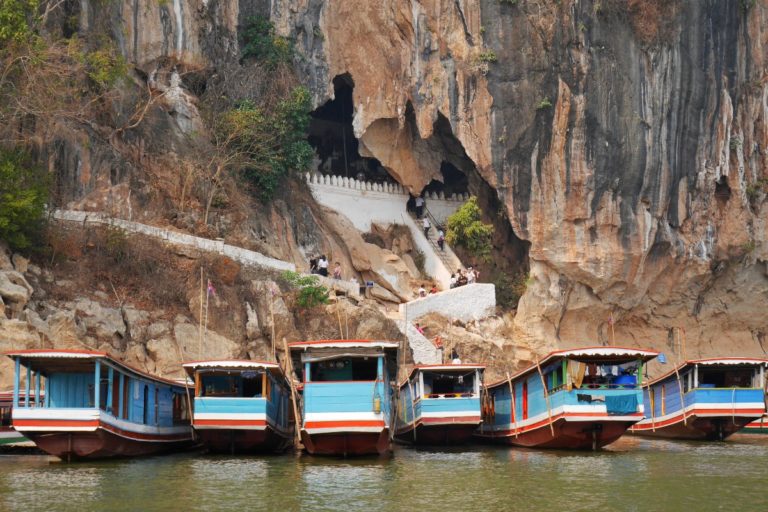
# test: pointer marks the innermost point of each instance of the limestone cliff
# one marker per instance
(627, 141)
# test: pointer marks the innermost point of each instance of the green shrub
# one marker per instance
(544, 103)
(23, 194)
(487, 56)
(286, 130)
(419, 259)
(465, 229)
(309, 291)
(16, 20)
(262, 43)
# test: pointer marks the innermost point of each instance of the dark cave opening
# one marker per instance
(722, 189)
(332, 137)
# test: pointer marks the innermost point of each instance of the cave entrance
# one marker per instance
(454, 181)
(332, 137)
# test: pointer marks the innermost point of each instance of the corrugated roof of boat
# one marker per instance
(343, 344)
(603, 351)
(41, 353)
(229, 363)
(48, 353)
(728, 360)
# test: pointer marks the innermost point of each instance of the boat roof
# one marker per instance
(443, 368)
(712, 361)
(304, 345)
(230, 364)
(603, 355)
(51, 360)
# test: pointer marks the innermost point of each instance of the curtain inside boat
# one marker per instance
(576, 372)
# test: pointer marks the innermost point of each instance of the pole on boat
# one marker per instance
(288, 370)
(679, 381)
(546, 397)
(272, 319)
(513, 414)
(200, 339)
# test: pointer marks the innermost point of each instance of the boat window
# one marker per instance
(449, 384)
(344, 369)
(725, 377)
(5, 416)
(245, 385)
(609, 376)
(103, 390)
(554, 380)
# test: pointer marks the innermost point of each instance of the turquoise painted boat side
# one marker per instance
(230, 405)
(353, 396)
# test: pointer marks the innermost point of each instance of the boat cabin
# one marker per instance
(346, 392)
(241, 406)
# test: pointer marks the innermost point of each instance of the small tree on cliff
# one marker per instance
(308, 290)
(465, 229)
(23, 193)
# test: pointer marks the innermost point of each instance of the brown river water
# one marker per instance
(633, 474)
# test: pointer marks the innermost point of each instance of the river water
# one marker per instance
(633, 474)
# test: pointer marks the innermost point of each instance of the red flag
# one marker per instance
(610, 318)
(211, 289)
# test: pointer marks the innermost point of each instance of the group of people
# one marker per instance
(462, 277)
(319, 266)
(422, 292)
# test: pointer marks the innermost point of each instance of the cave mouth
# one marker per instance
(332, 137)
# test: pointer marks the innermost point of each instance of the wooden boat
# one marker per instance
(241, 406)
(97, 407)
(705, 399)
(8, 435)
(579, 399)
(759, 426)
(346, 395)
(439, 404)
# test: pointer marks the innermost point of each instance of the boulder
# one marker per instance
(5, 258)
(252, 329)
(136, 321)
(103, 322)
(14, 289)
(20, 263)
(213, 346)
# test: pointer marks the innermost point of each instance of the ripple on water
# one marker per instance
(634, 474)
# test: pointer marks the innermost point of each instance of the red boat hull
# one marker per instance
(244, 441)
(101, 444)
(570, 435)
(347, 444)
(438, 435)
(699, 428)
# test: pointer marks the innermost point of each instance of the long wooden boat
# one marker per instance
(759, 426)
(97, 407)
(241, 406)
(8, 435)
(439, 404)
(576, 399)
(706, 399)
(346, 395)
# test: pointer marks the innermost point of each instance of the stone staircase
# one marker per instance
(446, 255)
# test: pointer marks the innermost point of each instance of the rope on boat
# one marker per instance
(413, 410)
(514, 406)
(546, 398)
(682, 398)
(289, 373)
(733, 406)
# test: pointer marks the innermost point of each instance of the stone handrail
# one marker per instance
(385, 188)
(424, 351)
(239, 254)
(469, 302)
(244, 256)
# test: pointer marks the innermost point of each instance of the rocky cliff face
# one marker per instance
(627, 141)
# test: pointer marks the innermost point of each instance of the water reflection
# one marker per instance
(633, 474)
